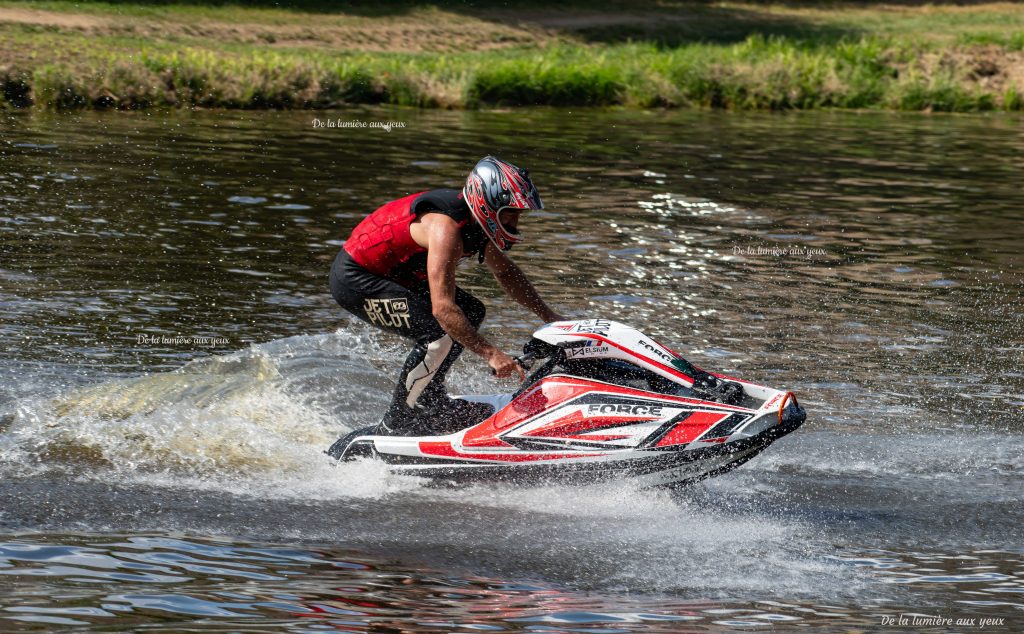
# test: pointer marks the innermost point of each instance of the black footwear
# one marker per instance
(401, 420)
(412, 425)
(445, 416)
(459, 414)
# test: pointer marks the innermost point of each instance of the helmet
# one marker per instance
(494, 185)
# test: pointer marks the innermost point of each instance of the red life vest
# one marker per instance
(383, 241)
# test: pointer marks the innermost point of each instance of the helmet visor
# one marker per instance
(532, 200)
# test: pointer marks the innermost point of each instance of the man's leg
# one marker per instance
(420, 389)
(434, 393)
(445, 414)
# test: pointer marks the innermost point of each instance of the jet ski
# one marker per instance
(606, 402)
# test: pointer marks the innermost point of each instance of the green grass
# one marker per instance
(1007, 41)
(758, 73)
(837, 59)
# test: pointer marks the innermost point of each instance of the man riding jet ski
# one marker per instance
(607, 402)
(397, 272)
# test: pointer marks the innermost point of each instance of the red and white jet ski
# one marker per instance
(607, 402)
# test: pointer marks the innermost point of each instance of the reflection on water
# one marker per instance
(170, 354)
(140, 578)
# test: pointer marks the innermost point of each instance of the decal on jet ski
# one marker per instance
(635, 410)
(703, 425)
(556, 391)
(594, 327)
(666, 367)
(578, 423)
(585, 348)
(647, 346)
(689, 427)
(631, 418)
(727, 426)
(446, 450)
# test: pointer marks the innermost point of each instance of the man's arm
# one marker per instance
(444, 248)
(514, 281)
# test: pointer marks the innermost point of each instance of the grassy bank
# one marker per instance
(135, 55)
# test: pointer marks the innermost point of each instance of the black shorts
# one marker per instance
(386, 304)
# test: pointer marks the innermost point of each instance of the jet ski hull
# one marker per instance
(444, 458)
(609, 403)
(659, 471)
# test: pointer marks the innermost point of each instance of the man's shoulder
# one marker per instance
(445, 200)
(447, 192)
(440, 220)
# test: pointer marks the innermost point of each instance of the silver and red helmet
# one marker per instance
(494, 185)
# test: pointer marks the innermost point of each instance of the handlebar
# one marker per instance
(525, 362)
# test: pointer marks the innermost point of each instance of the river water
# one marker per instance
(171, 368)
